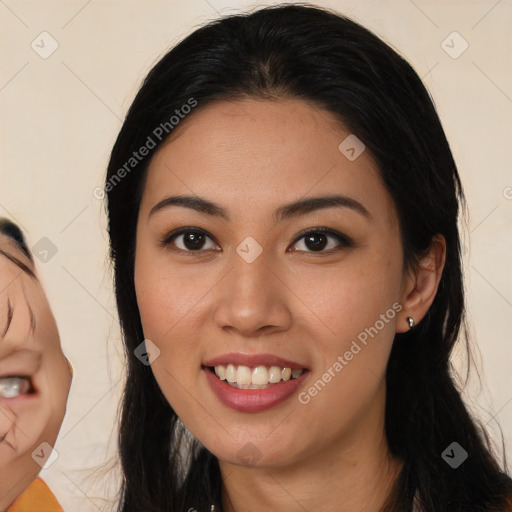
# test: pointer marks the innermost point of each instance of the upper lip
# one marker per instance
(252, 360)
(22, 363)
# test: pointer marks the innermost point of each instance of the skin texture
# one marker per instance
(25, 424)
(252, 157)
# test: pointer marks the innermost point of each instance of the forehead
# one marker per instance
(263, 153)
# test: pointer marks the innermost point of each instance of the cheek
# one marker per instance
(353, 341)
(165, 300)
(351, 297)
(357, 308)
(169, 302)
(169, 292)
(59, 384)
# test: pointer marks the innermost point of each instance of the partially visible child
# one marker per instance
(35, 378)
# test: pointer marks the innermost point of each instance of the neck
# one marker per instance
(354, 474)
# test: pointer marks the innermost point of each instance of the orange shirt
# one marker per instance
(37, 497)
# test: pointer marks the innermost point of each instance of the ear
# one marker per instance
(420, 286)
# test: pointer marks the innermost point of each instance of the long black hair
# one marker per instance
(332, 62)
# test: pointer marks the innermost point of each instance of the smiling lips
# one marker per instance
(11, 387)
(253, 382)
(16, 373)
(260, 377)
(254, 371)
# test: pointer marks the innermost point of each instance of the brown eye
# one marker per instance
(190, 240)
(317, 240)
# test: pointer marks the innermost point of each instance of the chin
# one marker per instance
(250, 452)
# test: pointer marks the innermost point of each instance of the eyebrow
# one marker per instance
(301, 207)
(9, 317)
(13, 231)
(10, 309)
(10, 312)
(19, 263)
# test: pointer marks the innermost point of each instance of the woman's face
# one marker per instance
(249, 289)
(34, 375)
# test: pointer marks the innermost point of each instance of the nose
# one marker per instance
(254, 299)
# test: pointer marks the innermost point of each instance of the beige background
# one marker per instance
(60, 117)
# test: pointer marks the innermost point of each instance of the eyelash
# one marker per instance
(345, 241)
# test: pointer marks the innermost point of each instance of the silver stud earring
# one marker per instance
(410, 319)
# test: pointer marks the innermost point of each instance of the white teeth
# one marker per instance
(274, 374)
(230, 373)
(286, 374)
(243, 376)
(11, 387)
(221, 372)
(260, 377)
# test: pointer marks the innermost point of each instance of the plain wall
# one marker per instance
(60, 116)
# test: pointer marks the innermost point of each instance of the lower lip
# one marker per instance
(252, 400)
(19, 400)
(24, 397)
